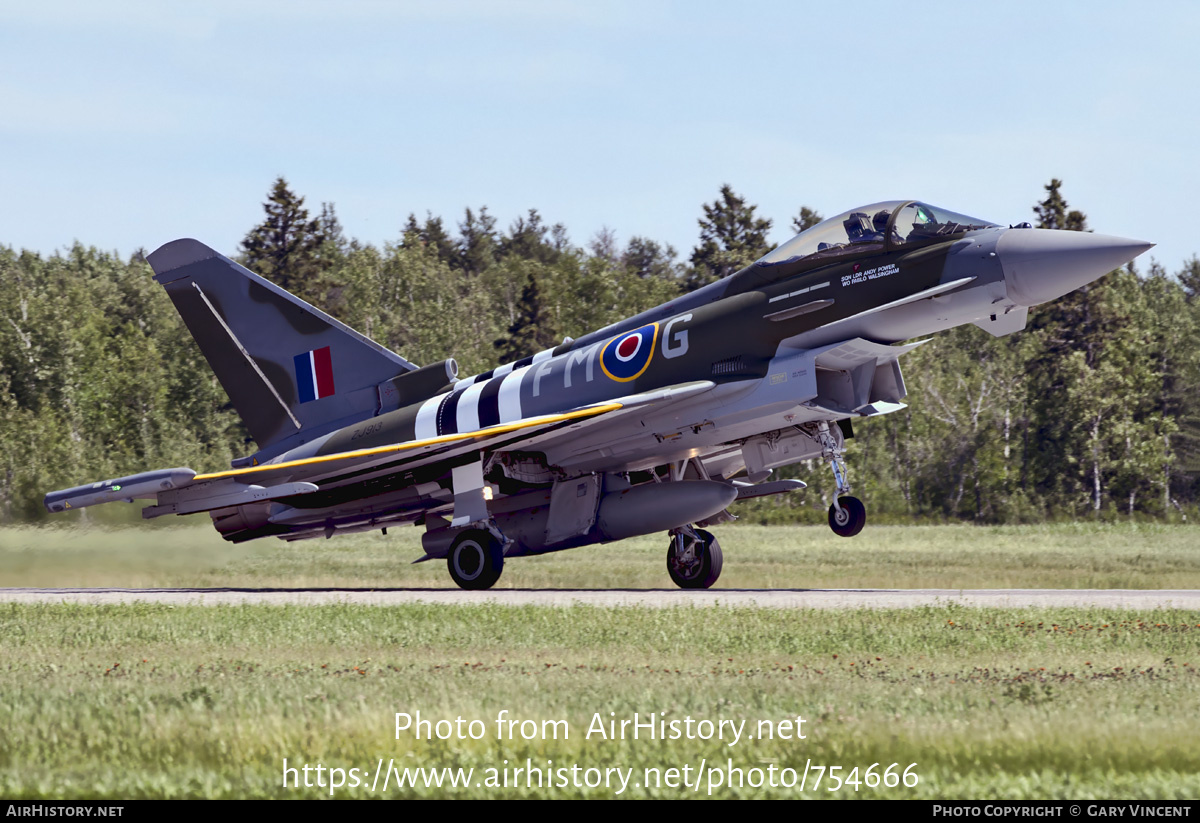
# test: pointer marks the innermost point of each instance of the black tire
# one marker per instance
(703, 569)
(476, 560)
(851, 519)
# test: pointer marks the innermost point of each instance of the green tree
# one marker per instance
(648, 258)
(951, 455)
(731, 238)
(529, 238)
(411, 301)
(614, 291)
(1175, 321)
(1189, 277)
(603, 245)
(1053, 212)
(286, 248)
(432, 235)
(330, 228)
(532, 330)
(99, 379)
(478, 244)
(805, 219)
(1058, 329)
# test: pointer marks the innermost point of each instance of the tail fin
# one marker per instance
(292, 371)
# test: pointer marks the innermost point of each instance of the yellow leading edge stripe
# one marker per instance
(416, 444)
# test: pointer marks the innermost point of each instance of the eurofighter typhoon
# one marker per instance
(656, 423)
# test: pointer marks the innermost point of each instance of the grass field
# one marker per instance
(1125, 556)
(159, 701)
(155, 701)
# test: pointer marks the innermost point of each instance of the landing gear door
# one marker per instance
(572, 507)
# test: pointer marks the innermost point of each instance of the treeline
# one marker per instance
(1089, 412)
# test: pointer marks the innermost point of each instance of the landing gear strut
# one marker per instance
(847, 515)
(693, 558)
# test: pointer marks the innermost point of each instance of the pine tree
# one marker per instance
(1093, 387)
(1176, 375)
(731, 238)
(478, 244)
(532, 330)
(332, 232)
(531, 239)
(1189, 277)
(604, 245)
(286, 248)
(431, 235)
(648, 258)
(805, 219)
(1052, 212)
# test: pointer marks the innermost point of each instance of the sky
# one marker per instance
(125, 124)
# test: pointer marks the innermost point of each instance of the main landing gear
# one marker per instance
(847, 515)
(693, 558)
(476, 559)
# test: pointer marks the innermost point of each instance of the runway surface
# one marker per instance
(651, 598)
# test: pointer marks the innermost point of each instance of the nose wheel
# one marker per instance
(847, 516)
(693, 558)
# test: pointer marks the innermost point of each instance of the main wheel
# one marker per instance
(694, 564)
(476, 559)
(850, 519)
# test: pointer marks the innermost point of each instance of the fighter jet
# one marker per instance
(657, 423)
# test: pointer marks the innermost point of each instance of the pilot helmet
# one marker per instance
(880, 220)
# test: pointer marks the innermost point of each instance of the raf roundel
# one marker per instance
(625, 357)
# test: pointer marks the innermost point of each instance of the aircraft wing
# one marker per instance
(183, 491)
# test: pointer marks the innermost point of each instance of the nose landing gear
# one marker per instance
(847, 515)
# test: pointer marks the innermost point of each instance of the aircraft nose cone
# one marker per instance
(1042, 264)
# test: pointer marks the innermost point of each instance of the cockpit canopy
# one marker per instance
(877, 227)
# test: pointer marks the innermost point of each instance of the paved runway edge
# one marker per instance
(646, 598)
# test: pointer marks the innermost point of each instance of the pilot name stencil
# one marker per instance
(869, 274)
